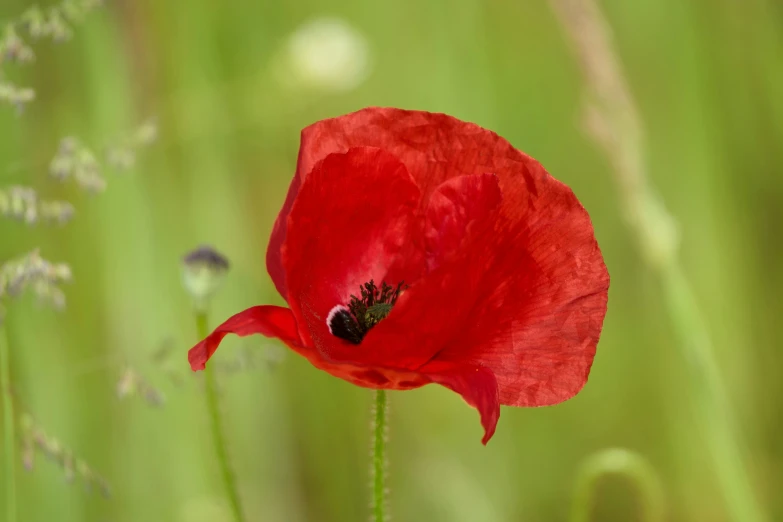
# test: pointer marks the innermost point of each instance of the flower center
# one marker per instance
(352, 322)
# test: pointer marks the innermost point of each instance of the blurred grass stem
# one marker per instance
(9, 426)
(612, 120)
(627, 464)
(380, 413)
(216, 425)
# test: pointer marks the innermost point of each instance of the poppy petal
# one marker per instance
(271, 321)
(424, 316)
(274, 251)
(434, 147)
(453, 206)
(350, 220)
(538, 297)
(525, 295)
(477, 385)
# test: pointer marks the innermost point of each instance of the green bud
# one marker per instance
(203, 271)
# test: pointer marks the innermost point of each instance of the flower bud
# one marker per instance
(203, 271)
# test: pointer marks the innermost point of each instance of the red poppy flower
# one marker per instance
(414, 248)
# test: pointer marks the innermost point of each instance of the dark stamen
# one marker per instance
(343, 325)
(353, 323)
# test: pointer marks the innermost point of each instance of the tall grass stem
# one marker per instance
(613, 121)
(216, 426)
(9, 426)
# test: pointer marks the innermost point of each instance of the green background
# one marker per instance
(708, 77)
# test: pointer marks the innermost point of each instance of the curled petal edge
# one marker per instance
(476, 384)
(270, 321)
(478, 387)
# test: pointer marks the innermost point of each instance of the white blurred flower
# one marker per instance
(327, 54)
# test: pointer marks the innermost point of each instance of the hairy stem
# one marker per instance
(627, 464)
(613, 121)
(380, 413)
(216, 425)
(9, 426)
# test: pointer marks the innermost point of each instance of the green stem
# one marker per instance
(216, 424)
(615, 124)
(9, 426)
(624, 463)
(380, 411)
(709, 396)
